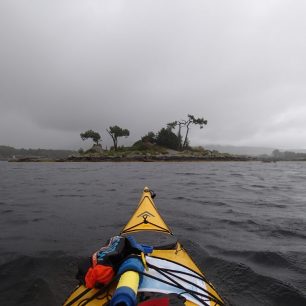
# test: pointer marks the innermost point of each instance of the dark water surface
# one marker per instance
(244, 223)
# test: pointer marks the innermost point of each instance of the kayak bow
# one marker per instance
(169, 268)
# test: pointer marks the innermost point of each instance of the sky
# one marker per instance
(67, 66)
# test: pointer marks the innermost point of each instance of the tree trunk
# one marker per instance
(186, 136)
(113, 138)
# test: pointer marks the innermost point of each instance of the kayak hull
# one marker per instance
(148, 227)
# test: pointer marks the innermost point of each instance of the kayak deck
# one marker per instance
(148, 227)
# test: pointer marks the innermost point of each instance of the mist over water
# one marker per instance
(244, 223)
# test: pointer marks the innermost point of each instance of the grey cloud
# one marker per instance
(71, 65)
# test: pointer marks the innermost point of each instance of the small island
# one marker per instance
(170, 143)
(147, 152)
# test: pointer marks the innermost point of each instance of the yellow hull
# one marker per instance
(145, 219)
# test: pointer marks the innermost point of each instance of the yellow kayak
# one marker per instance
(168, 269)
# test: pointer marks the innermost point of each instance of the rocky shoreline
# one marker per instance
(136, 158)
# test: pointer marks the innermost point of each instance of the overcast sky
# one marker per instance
(71, 65)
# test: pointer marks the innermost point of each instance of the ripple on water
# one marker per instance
(254, 213)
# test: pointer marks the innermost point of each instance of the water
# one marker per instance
(244, 223)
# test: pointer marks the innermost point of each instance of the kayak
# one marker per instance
(168, 270)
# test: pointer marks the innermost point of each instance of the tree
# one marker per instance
(167, 138)
(95, 136)
(191, 120)
(115, 132)
(150, 137)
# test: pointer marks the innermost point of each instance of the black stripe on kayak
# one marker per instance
(174, 273)
(200, 275)
(78, 297)
(177, 285)
(162, 229)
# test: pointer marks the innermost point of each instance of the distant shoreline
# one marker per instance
(147, 153)
(163, 158)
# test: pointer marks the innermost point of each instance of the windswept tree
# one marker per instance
(191, 120)
(115, 132)
(95, 136)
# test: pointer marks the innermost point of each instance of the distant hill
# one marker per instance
(7, 152)
(250, 151)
